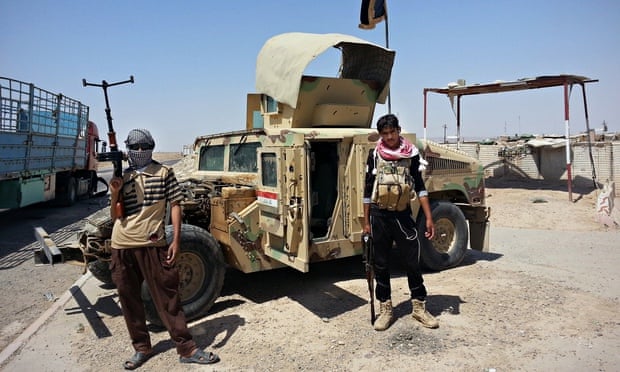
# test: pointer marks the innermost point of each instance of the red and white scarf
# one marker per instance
(406, 150)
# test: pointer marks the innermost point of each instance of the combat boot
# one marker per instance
(384, 320)
(421, 315)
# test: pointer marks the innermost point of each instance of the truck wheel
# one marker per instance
(448, 247)
(101, 271)
(201, 272)
(72, 191)
(68, 195)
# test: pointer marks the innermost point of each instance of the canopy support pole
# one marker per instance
(569, 180)
(585, 110)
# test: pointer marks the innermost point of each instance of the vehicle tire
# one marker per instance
(68, 194)
(448, 247)
(201, 272)
(72, 191)
(101, 271)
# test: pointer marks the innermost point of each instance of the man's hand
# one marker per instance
(366, 225)
(115, 185)
(174, 248)
(116, 208)
(430, 229)
(173, 253)
(366, 229)
(430, 226)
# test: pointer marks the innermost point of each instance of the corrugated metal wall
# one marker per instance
(547, 163)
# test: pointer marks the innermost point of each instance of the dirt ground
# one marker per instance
(544, 298)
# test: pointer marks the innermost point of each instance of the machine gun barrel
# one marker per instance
(114, 155)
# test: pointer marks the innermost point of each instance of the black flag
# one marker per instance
(372, 12)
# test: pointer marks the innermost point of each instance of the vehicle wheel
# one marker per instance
(448, 247)
(68, 195)
(201, 274)
(101, 271)
(72, 191)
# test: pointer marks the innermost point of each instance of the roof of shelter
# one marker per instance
(455, 89)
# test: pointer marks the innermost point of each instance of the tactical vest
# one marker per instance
(393, 187)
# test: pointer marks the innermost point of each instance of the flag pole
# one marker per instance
(387, 46)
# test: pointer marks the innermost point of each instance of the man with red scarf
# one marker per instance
(389, 225)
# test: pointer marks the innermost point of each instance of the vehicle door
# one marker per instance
(282, 196)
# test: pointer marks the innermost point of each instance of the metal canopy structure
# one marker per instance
(507, 86)
(567, 81)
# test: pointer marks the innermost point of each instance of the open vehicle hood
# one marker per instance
(283, 59)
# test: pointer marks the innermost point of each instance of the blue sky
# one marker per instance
(194, 61)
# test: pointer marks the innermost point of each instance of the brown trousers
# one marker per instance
(130, 267)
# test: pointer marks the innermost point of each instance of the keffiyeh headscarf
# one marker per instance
(143, 157)
(139, 158)
(406, 150)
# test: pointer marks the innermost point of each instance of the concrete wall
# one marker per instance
(548, 163)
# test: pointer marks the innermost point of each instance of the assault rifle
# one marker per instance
(114, 155)
(368, 255)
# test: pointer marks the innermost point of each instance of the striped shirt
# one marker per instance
(145, 195)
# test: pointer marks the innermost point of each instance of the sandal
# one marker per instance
(137, 360)
(200, 357)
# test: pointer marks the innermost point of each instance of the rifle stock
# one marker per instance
(370, 273)
(114, 155)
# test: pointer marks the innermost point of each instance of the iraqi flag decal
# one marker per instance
(267, 198)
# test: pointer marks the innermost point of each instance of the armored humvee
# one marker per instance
(287, 190)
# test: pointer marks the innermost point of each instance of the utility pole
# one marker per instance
(445, 127)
